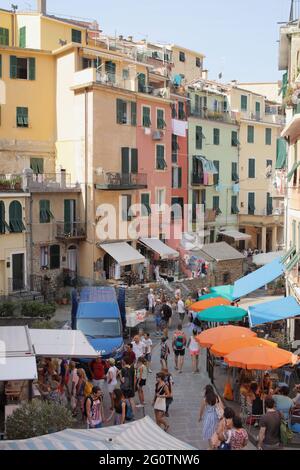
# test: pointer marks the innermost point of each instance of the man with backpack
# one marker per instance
(178, 344)
(93, 409)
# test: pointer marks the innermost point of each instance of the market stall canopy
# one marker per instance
(207, 303)
(123, 253)
(222, 313)
(235, 234)
(260, 358)
(266, 312)
(61, 343)
(258, 278)
(164, 251)
(209, 337)
(220, 251)
(18, 368)
(17, 359)
(265, 258)
(142, 434)
(223, 291)
(222, 348)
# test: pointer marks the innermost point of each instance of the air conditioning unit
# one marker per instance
(157, 135)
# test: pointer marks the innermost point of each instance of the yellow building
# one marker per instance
(187, 63)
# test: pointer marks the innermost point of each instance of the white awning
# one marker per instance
(15, 341)
(164, 251)
(266, 258)
(237, 236)
(123, 253)
(18, 368)
(61, 343)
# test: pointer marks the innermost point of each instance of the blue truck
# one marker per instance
(96, 313)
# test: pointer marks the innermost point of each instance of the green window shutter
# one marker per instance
(13, 66)
(126, 204)
(179, 177)
(269, 204)
(110, 69)
(281, 153)
(146, 117)
(22, 37)
(45, 213)
(244, 102)
(133, 113)
(0, 66)
(76, 36)
(234, 139)
(234, 206)
(22, 117)
(234, 171)
(4, 37)
(69, 215)
(54, 257)
(37, 165)
(145, 202)
(15, 217)
(174, 111)
(181, 113)
(4, 227)
(160, 157)
(173, 176)
(121, 112)
(32, 68)
(216, 136)
(125, 160)
(268, 136)
(216, 175)
(134, 161)
(250, 134)
(216, 203)
(257, 107)
(251, 168)
(284, 84)
(160, 122)
(251, 203)
(199, 137)
(292, 171)
(141, 83)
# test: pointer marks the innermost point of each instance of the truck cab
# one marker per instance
(98, 317)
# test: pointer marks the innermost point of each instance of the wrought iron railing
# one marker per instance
(65, 230)
(120, 180)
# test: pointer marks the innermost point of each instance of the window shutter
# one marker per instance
(54, 257)
(250, 136)
(216, 176)
(268, 136)
(145, 201)
(76, 35)
(269, 204)
(146, 117)
(216, 136)
(15, 217)
(133, 113)
(244, 103)
(251, 168)
(216, 202)
(251, 203)
(141, 82)
(32, 68)
(13, 66)
(37, 165)
(174, 112)
(45, 213)
(120, 112)
(134, 161)
(3, 224)
(125, 160)
(0, 66)
(173, 176)
(4, 36)
(234, 171)
(198, 137)
(22, 37)
(160, 157)
(234, 207)
(179, 177)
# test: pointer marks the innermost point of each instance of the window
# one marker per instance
(234, 171)
(129, 161)
(182, 56)
(4, 37)
(37, 165)
(269, 164)
(216, 136)
(76, 36)
(15, 217)
(22, 117)
(54, 257)
(141, 83)
(174, 111)
(160, 198)
(251, 168)
(44, 257)
(198, 62)
(244, 102)
(199, 137)
(45, 213)
(177, 208)
(176, 177)
(110, 70)
(160, 119)
(181, 113)
(269, 204)
(90, 63)
(146, 116)
(257, 108)
(125, 74)
(126, 206)
(250, 134)
(22, 37)
(175, 148)
(0, 66)
(160, 157)
(133, 113)
(145, 202)
(268, 136)
(22, 68)
(216, 175)
(4, 227)
(123, 112)
(216, 204)
(234, 139)
(234, 205)
(251, 203)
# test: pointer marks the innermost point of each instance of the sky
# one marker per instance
(238, 37)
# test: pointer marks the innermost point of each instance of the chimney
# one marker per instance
(121, 37)
(204, 74)
(42, 7)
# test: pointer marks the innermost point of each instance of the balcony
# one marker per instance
(51, 182)
(75, 231)
(11, 183)
(114, 181)
(268, 117)
(204, 113)
(197, 179)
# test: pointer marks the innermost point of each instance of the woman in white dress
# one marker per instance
(112, 381)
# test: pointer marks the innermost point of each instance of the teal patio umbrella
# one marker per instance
(222, 313)
(223, 291)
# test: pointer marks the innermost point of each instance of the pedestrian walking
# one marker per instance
(151, 301)
(141, 378)
(194, 349)
(97, 370)
(157, 313)
(119, 409)
(164, 352)
(93, 409)
(138, 347)
(181, 309)
(209, 414)
(168, 379)
(148, 344)
(239, 437)
(269, 433)
(128, 380)
(111, 378)
(166, 315)
(178, 345)
(79, 394)
(159, 401)
(224, 426)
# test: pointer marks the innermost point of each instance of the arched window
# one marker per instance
(15, 217)
(3, 225)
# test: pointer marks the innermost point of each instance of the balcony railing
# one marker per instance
(115, 181)
(268, 117)
(70, 230)
(204, 113)
(51, 182)
(197, 178)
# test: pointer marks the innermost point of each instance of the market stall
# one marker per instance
(162, 258)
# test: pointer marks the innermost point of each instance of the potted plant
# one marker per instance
(17, 183)
(66, 298)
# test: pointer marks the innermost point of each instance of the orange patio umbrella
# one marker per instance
(208, 337)
(207, 303)
(224, 347)
(260, 358)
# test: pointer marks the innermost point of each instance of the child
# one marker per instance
(164, 352)
(141, 373)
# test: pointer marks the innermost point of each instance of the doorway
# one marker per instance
(72, 258)
(18, 272)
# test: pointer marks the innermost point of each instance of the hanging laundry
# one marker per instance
(205, 178)
(179, 127)
(236, 188)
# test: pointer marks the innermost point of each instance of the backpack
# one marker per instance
(179, 342)
(286, 434)
(88, 389)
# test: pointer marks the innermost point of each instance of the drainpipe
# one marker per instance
(31, 243)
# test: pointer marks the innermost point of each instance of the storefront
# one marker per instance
(121, 260)
(162, 260)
